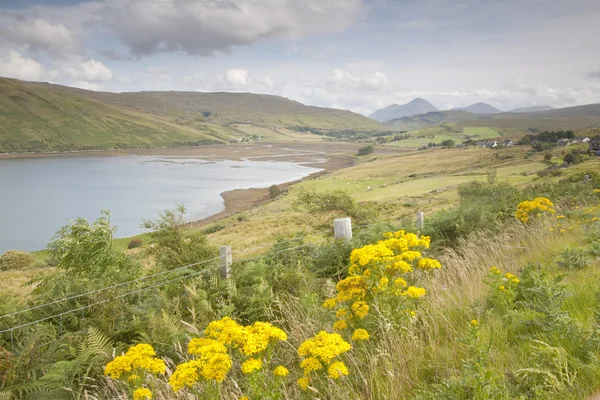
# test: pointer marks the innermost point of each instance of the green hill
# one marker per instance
(434, 118)
(36, 117)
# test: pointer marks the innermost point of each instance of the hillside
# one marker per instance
(430, 119)
(45, 117)
(36, 117)
(480, 108)
(531, 109)
(395, 111)
(578, 117)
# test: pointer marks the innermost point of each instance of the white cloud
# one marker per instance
(14, 65)
(38, 34)
(86, 85)
(90, 70)
(206, 26)
(237, 77)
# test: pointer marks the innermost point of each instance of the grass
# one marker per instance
(480, 132)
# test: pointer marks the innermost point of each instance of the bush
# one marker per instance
(548, 157)
(134, 243)
(15, 259)
(368, 149)
(573, 258)
(572, 158)
(336, 200)
(274, 191)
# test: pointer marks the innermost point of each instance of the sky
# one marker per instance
(360, 55)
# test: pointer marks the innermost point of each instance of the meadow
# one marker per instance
(477, 305)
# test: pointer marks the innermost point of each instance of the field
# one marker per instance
(459, 332)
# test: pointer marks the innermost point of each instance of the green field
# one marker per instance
(480, 132)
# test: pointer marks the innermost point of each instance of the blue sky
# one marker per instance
(353, 54)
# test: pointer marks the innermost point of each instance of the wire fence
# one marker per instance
(59, 316)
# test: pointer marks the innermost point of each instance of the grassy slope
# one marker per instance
(58, 120)
(45, 117)
(430, 119)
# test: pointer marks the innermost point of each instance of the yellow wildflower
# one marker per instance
(340, 325)
(341, 313)
(304, 382)
(360, 309)
(410, 255)
(414, 292)
(244, 398)
(251, 365)
(311, 364)
(142, 394)
(360, 334)
(562, 231)
(138, 357)
(474, 322)
(429, 264)
(337, 369)
(324, 346)
(495, 271)
(383, 282)
(560, 217)
(502, 287)
(329, 304)
(281, 371)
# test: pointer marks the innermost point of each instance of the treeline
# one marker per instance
(546, 137)
(343, 134)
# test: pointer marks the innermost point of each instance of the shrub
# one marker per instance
(274, 191)
(213, 229)
(134, 243)
(15, 259)
(368, 149)
(336, 200)
(573, 258)
(548, 157)
(571, 158)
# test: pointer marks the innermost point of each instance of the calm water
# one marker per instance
(39, 195)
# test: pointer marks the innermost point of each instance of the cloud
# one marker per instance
(90, 70)
(594, 74)
(237, 77)
(14, 65)
(86, 85)
(38, 34)
(204, 27)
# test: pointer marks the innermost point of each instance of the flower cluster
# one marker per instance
(212, 353)
(382, 271)
(527, 209)
(321, 353)
(133, 367)
(211, 363)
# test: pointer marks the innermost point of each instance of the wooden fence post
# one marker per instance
(420, 220)
(342, 228)
(226, 261)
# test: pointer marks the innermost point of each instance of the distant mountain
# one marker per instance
(531, 109)
(480, 108)
(395, 111)
(414, 122)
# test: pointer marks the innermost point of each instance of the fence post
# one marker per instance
(342, 228)
(420, 220)
(226, 261)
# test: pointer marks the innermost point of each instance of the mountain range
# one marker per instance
(421, 106)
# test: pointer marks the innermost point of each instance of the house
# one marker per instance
(580, 139)
(594, 145)
(491, 145)
(480, 143)
(564, 142)
(508, 143)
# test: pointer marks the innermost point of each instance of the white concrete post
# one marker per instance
(226, 261)
(420, 220)
(342, 228)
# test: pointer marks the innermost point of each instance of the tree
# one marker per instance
(571, 158)
(448, 144)
(274, 191)
(172, 246)
(368, 149)
(547, 157)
